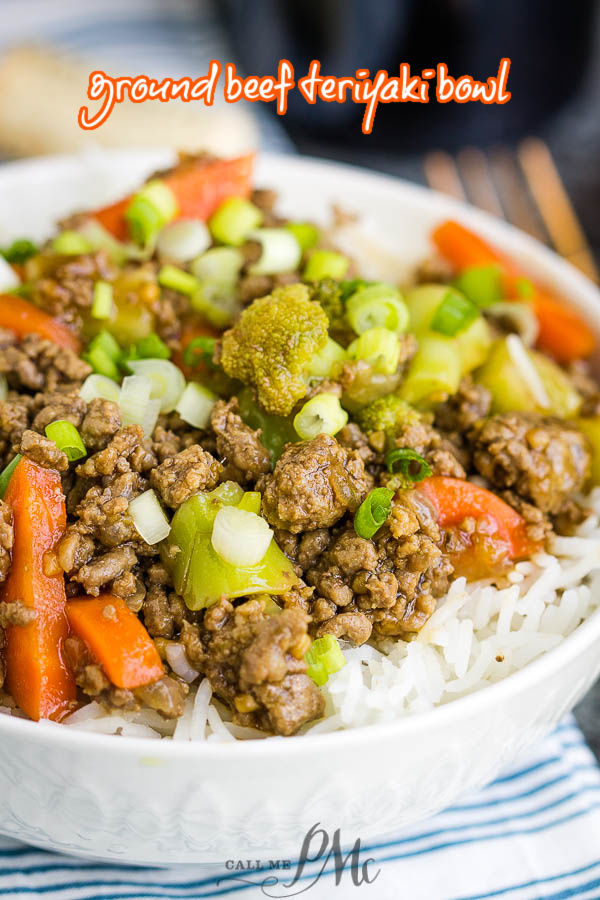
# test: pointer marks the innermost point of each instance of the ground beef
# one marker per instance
(54, 406)
(15, 613)
(181, 476)
(461, 410)
(6, 539)
(165, 443)
(255, 664)
(66, 290)
(127, 451)
(104, 569)
(34, 363)
(164, 613)
(538, 525)
(351, 437)
(104, 511)
(244, 456)
(388, 584)
(166, 696)
(580, 375)
(543, 460)
(314, 483)
(441, 454)
(100, 424)
(43, 451)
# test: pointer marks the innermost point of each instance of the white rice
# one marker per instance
(478, 635)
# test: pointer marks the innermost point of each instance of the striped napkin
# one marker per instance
(534, 833)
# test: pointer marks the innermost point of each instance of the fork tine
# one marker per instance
(442, 174)
(518, 206)
(555, 207)
(480, 188)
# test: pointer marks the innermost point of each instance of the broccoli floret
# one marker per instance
(327, 292)
(389, 414)
(272, 344)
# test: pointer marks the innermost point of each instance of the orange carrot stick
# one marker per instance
(200, 186)
(562, 331)
(22, 317)
(116, 639)
(36, 676)
(455, 499)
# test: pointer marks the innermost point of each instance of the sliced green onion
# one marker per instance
(434, 372)
(325, 264)
(70, 243)
(373, 512)
(233, 221)
(323, 363)
(99, 386)
(182, 241)
(106, 342)
(481, 284)
(103, 304)
(306, 234)
(281, 252)
(67, 438)
(178, 280)
(100, 239)
(377, 306)
(150, 347)
(199, 349)
(167, 380)
(251, 501)
(19, 251)
(149, 517)
(7, 472)
(222, 264)
(352, 285)
(3, 388)
(150, 210)
(101, 362)
(322, 414)
(324, 658)
(518, 316)
(134, 398)
(240, 537)
(217, 301)
(407, 462)
(196, 404)
(9, 280)
(454, 314)
(378, 346)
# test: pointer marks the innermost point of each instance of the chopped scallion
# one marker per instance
(373, 512)
(234, 219)
(167, 380)
(323, 362)
(196, 404)
(177, 279)
(217, 301)
(150, 347)
(377, 306)
(324, 657)
(325, 264)
(218, 264)
(103, 305)
(306, 234)
(182, 241)
(481, 284)
(240, 537)
(454, 314)
(106, 342)
(149, 517)
(99, 386)
(67, 438)
(7, 472)
(407, 462)
(150, 210)
(322, 414)
(281, 252)
(199, 349)
(378, 346)
(70, 243)
(101, 362)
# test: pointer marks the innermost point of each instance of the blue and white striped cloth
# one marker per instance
(534, 833)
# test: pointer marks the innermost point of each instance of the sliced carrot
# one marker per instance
(562, 331)
(36, 676)
(116, 639)
(22, 317)
(456, 499)
(200, 186)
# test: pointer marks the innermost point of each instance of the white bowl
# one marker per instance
(144, 801)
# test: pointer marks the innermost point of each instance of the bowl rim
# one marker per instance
(541, 259)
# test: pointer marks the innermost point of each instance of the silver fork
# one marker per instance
(523, 187)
